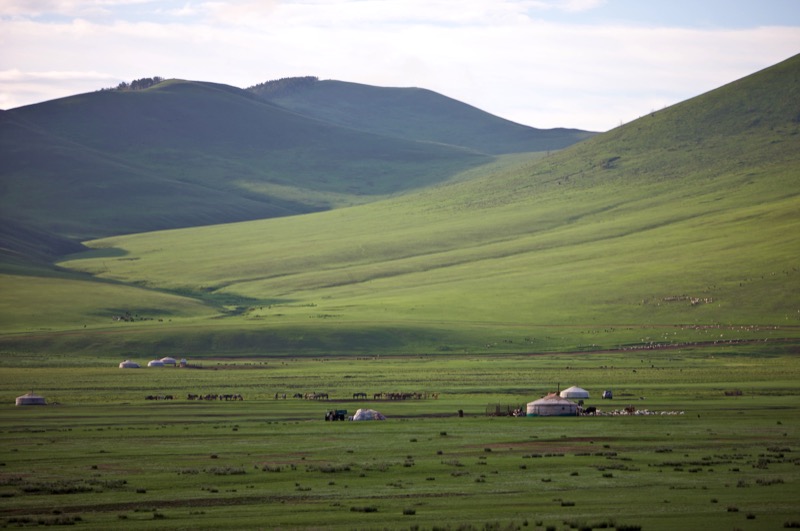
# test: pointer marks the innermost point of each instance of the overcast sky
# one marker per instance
(589, 64)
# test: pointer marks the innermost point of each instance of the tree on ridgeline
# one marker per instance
(285, 85)
(140, 84)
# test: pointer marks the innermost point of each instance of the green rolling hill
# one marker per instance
(677, 229)
(188, 153)
(412, 113)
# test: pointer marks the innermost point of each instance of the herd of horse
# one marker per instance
(210, 396)
(304, 396)
(364, 396)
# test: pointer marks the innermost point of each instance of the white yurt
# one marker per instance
(155, 363)
(169, 361)
(128, 364)
(574, 392)
(31, 399)
(368, 414)
(552, 405)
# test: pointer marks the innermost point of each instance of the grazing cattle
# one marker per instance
(591, 410)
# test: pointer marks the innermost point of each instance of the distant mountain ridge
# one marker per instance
(175, 153)
(678, 229)
(184, 153)
(412, 113)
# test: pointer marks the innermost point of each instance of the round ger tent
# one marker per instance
(128, 364)
(574, 392)
(368, 414)
(31, 399)
(155, 363)
(169, 361)
(552, 405)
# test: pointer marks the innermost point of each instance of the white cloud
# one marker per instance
(26, 87)
(575, 6)
(69, 8)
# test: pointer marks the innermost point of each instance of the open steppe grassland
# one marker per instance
(718, 452)
(660, 258)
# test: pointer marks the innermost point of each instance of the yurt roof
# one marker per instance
(575, 391)
(31, 396)
(128, 364)
(169, 360)
(155, 363)
(552, 399)
(30, 399)
(368, 414)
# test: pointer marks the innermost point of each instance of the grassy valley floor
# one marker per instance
(711, 444)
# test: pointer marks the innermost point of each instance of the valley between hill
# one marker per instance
(677, 228)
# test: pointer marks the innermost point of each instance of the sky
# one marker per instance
(587, 64)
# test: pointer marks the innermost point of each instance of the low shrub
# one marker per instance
(366, 509)
(226, 471)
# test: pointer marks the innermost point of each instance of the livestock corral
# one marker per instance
(695, 455)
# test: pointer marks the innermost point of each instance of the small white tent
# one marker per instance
(128, 364)
(574, 392)
(368, 414)
(169, 361)
(552, 405)
(155, 363)
(31, 399)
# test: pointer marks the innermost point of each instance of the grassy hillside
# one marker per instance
(412, 113)
(679, 228)
(187, 154)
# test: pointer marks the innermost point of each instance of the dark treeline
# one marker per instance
(140, 84)
(282, 86)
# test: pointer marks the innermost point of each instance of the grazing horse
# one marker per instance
(360, 395)
(316, 396)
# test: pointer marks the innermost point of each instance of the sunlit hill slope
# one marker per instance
(679, 228)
